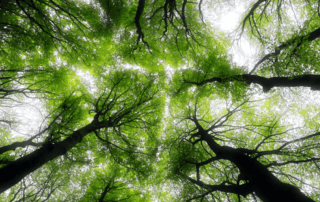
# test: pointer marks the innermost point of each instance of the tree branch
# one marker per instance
(308, 80)
(137, 22)
(308, 37)
(242, 190)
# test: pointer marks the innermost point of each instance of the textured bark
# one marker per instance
(310, 80)
(266, 186)
(17, 170)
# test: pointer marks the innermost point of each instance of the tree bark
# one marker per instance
(17, 170)
(266, 186)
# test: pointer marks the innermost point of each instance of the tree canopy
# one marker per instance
(143, 101)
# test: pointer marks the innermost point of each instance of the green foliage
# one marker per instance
(102, 67)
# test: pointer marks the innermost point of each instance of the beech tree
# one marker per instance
(141, 101)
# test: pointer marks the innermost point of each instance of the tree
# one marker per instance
(217, 152)
(115, 126)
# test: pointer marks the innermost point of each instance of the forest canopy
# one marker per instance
(147, 101)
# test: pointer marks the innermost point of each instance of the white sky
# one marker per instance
(227, 18)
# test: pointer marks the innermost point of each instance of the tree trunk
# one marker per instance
(266, 186)
(17, 170)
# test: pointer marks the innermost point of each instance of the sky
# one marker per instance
(227, 18)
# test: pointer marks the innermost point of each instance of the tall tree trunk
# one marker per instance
(17, 170)
(266, 186)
